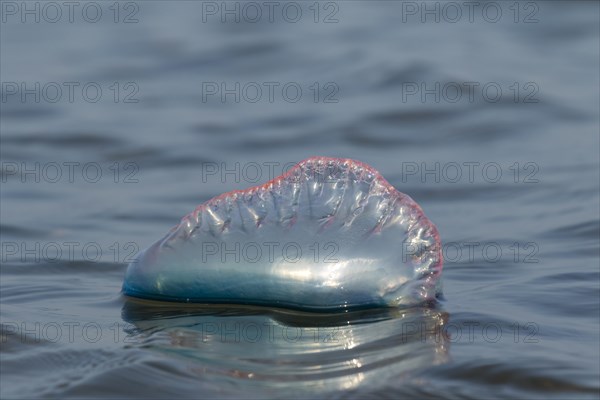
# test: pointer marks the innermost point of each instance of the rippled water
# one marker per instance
(515, 196)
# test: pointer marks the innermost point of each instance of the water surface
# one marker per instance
(520, 313)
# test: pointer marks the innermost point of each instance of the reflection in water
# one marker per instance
(290, 349)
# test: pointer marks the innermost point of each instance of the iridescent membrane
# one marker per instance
(329, 234)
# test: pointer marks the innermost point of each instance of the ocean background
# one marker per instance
(118, 118)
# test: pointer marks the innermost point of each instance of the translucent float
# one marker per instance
(330, 234)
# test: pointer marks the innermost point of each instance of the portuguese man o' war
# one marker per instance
(329, 234)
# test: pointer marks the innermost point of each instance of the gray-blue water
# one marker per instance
(119, 118)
